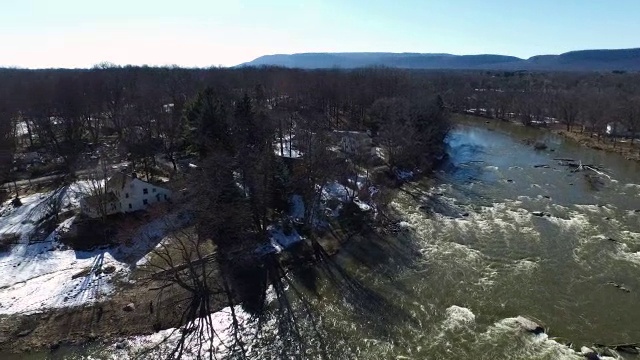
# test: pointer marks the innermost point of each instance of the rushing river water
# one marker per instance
(475, 256)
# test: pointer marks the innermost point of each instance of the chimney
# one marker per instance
(134, 175)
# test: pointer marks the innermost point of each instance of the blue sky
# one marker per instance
(74, 33)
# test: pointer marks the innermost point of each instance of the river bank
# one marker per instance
(105, 321)
(134, 306)
(623, 147)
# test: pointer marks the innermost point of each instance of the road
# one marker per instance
(52, 178)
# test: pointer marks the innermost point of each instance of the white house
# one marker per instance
(124, 193)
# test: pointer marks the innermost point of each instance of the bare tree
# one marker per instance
(568, 108)
(96, 192)
(7, 139)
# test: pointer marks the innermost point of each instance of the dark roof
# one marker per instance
(94, 200)
(118, 180)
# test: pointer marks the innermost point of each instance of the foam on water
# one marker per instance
(440, 236)
(630, 235)
(526, 345)
(457, 318)
(525, 265)
(622, 251)
(589, 207)
(632, 257)
(576, 222)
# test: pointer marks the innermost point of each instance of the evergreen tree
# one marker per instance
(207, 124)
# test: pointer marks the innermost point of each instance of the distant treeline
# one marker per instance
(142, 107)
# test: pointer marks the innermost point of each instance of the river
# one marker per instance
(475, 256)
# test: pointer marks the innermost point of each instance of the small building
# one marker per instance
(620, 130)
(354, 142)
(122, 194)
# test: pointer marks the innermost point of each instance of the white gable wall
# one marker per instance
(92, 212)
(133, 196)
(138, 195)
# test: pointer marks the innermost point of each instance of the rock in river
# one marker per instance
(529, 325)
(627, 348)
(619, 286)
(24, 333)
(589, 353)
(539, 145)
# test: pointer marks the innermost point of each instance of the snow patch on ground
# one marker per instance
(286, 148)
(337, 191)
(297, 207)
(280, 241)
(22, 220)
(404, 175)
(218, 342)
(37, 276)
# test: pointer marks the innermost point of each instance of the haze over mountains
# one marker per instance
(583, 60)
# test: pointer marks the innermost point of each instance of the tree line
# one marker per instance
(70, 112)
(586, 101)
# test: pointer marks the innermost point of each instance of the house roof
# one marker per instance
(118, 181)
(359, 135)
(94, 200)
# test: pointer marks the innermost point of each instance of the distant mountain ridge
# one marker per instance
(582, 60)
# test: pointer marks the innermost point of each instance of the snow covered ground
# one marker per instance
(22, 221)
(36, 276)
(342, 193)
(280, 240)
(218, 342)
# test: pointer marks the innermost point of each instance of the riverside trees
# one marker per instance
(231, 119)
(587, 101)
